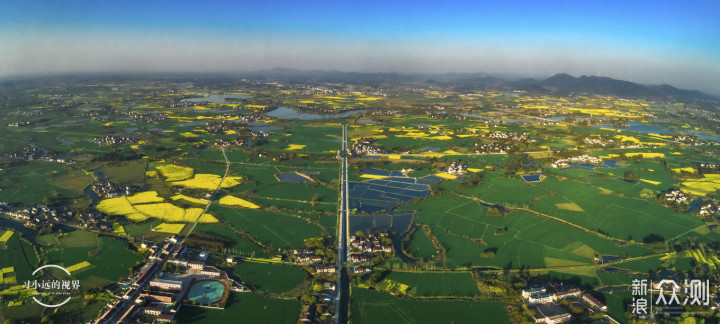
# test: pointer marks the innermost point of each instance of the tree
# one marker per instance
(630, 176)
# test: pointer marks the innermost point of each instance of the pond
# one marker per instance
(643, 128)
(215, 98)
(289, 113)
(261, 127)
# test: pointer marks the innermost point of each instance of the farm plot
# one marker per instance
(270, 277)
(381, 194)
(504, 191)
(109, 260)
(419, 245)
(619, 216)
(234, 243)
(144, 205)
(369, 306)
(19, 254)
(31, 182)
(434, 284)
(250, 307)
(274, 229)
(208, 182)
(471, 237)
(236, 202)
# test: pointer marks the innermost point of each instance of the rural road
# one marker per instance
(343, 284)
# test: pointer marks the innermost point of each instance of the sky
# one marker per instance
(650, 42)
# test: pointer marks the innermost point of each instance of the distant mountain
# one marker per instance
(561, 83)
(566, 84)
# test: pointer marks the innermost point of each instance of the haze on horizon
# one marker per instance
(654, 42)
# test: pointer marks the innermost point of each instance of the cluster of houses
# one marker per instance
(115, 140)
(107, 189)
(545, 305)
(709, 209)
(492, 147)
(676, 196)
(365, 247)
(138, 117)
(564, 163)
(515, 137)
(228, 143)
(32, 153)
(597, 141)
(363, 146)
(686, 139)
(306, 256)
(217, 127)
(457, 168)
(19, 124)
(39, 216)
(323, 310)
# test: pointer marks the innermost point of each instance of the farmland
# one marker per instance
(370, 306)
(270, 278)
(99, 261)
(486, 191)
(249, 306)
(437, 283)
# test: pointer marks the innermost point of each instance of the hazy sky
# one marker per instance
(674, 42)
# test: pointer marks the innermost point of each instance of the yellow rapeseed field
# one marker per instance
(701, 187)
(189, 199)
(208, 181)
(145, 197)
(78, 266)
(646, 155)
(173, 172)
(170, 228)
(292, 147)
(651, 182)
(446, 175)
(6, 236)
(234, 201)
(686, 169)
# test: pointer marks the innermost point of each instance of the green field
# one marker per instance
(270, 277)
(419, 245)
(437, 284)
(621, 217)
(110, 259)
(19, 253)
(495, 190)
(31, 182)
(272, 229)
(465, 231)
(244, 308)
(369, 306)
(237, 244)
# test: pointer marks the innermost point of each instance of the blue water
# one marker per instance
(532, 177)
(694, 205)
(610, 164)
(378, 195)
(383, 173)
(215, 98)
(653, 129)
(289, 113)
